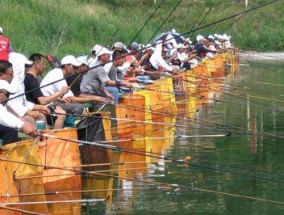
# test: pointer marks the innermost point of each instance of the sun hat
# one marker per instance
(70, 59)
(4, 85)
(104, 51)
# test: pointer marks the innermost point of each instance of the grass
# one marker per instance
(62, 27)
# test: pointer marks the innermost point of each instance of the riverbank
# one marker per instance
(74, 26)
(262, 56)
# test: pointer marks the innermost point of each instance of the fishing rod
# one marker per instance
(117, 148)
(233, 166)
(237, 96)
(195, 164)
(83, 72)
(196, 29)
(191, 127)
(66, 201)
(150, 17)
(195, 22)
(247, 88)
(165, 20)
(267, 83)
(232, 16)
(188, 158)
(166, 185)
(18, 210)
(77, 191)
(211, 7)
(112, 36)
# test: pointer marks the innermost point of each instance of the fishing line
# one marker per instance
(165, 21)
(205, 26)
(195, 22)
(166, 185)
(18, 210)
(211, 7)
(150, 17)
(234, 172)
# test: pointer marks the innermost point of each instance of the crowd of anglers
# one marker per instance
(27, 97)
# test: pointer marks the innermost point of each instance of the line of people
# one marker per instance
(26, 96)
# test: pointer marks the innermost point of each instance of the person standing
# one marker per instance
(5, 46)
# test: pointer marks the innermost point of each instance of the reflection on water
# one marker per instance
(247, 163)
(248, 104)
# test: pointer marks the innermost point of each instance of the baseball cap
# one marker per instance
(134, 45)
(104, 51)
(83, 59)
(70, 59)
(4, 85)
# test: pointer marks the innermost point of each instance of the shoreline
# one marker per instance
(262, 56)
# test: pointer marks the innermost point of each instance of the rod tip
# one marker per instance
(228, 134)
(187, 159)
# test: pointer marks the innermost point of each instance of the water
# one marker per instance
(230, 170)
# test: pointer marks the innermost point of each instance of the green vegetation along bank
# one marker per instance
(62, 27)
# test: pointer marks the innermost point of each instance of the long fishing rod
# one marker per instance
(198, 17)
(145, 153)
(241, 86)
(232, 16)
(165, 21)
(211, 7)
(205, 26)
(150, 17)
(117, 148)
(166, 185)
(77, 191)
(267, 135)
(3, 207)
(195, 164)
(237, 96)
(65, 201)
(232, 166)
(112, 36)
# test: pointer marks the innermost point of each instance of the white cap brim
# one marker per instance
(4, 85)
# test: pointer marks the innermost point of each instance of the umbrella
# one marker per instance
(170, 36)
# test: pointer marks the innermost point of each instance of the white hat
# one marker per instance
(28, 62)
(217, 42)
(83, 59)
(188, 40)
(1, 30)
(210, 37)
(226, 37)
(70, 59)
(119, 45)
(199, 38)
(149, 47)
(4, 85)
(97, 48)
(104, 51)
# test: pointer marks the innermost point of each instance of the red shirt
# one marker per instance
(4, 48)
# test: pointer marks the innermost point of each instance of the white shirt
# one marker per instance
(182, 56)
(8, 119)
(157, 60)
(227, 44)
(55, 77)
(19, 105)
